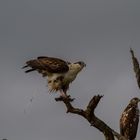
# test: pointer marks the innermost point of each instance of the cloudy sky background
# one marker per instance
(97, 32)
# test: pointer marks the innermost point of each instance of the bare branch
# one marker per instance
(89, 115)
(136, 67)
(93, 103)
(70, 108)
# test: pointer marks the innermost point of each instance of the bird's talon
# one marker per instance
(61, 98)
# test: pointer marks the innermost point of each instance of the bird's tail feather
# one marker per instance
(25, 66)
(32, 64)
(30, 70)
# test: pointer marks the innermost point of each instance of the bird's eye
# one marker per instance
(49, 81)
(55, 81)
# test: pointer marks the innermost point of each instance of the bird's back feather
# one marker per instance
(47, 64)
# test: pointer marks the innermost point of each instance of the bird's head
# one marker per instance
(81, 63)
(77, 66)
(135, 101)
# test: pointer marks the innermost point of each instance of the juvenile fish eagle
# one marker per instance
(130, 119)
(59, 73)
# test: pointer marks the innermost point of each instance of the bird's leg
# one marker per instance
(63, 94)
(61, 97)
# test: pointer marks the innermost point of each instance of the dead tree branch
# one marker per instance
(90, 116)
(136, 67)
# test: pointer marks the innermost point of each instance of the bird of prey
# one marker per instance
(130, 119)
(59, 73)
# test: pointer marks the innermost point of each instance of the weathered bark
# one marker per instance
(90, 116)
(136, 67)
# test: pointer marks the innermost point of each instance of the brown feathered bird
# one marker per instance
(59, 73)
(130, 119)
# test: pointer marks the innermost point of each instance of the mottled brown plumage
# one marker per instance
(130, 119)
(47, 65)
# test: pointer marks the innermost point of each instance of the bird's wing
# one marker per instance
(129, 123)
(121, 127)
(134, 117)
(47, 64)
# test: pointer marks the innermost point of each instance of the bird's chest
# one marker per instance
(70, 76)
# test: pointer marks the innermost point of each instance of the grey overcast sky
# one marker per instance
(98, 32)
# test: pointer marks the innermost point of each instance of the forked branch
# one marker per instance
(90, 116)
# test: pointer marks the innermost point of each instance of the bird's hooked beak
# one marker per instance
(84, 64)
